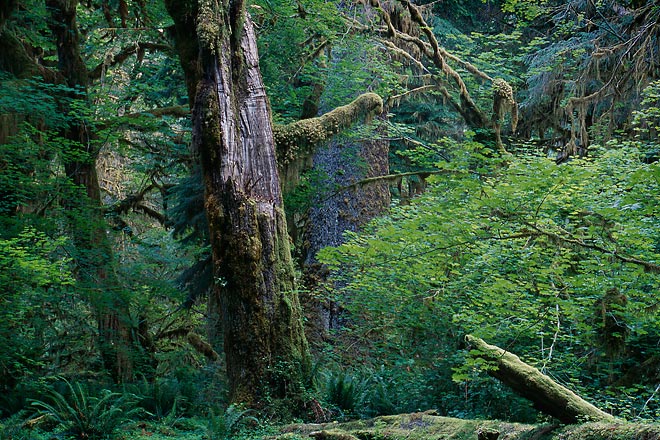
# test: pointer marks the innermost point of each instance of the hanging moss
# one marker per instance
(503, 102)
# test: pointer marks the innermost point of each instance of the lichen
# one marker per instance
(504, 101)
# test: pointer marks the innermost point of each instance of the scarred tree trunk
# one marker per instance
(265, 347)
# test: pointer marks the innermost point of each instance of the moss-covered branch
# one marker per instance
(298, 139)
(547, 395)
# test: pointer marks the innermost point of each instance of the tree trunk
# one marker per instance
(547, 395)
(344, 162)
(94, 252)
(265, 347)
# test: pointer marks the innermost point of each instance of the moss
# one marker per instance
(503, 102)
(418, 426)
(415, 426)
(547, 395)
(209, 25)
(300, 137)
(609, 431)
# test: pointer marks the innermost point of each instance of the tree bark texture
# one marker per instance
(265, 347)
(309, 143)
(547, 395)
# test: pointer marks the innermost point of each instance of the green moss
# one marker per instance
(416, 426)
(549, 396)
(209, 25)
(422, 426)
(301, 137)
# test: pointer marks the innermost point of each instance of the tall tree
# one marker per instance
(265, 347)
(94, 251)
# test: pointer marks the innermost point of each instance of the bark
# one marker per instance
(547, 395)
(308, 144)
(94, 251)
(265, 347)
(299, 141)
(344, 162)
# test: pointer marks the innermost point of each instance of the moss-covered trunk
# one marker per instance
(94, 251)
(266, 351)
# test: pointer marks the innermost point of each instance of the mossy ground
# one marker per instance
(416, 426)
(430, 427)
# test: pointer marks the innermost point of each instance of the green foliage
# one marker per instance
(226, 423)
(344, 391)
(31, 272)
(164, 398)
(312, 183)
(87, 416)
(520, 256)
(647, 120)
(292, 41)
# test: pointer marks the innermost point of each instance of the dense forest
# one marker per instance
(328, 218)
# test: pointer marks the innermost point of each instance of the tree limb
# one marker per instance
(134, 202)
(299, 138)
(123, 55)
(570, 240)
(177, 111)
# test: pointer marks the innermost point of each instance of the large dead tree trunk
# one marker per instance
(265, 347)
(547, 395)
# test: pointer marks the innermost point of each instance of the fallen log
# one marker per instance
(547, 395)
(425, 426)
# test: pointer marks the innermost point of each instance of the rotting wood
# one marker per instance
(547, 395)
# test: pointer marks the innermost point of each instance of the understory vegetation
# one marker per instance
(502, 181)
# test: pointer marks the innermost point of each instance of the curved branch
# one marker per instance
(178, 111)
(134, 202)
(573, 241)
(393, 178)
(299, 138)
(439, 56)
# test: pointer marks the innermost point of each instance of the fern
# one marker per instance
(85, 416)
(345, 391)
(222, 425)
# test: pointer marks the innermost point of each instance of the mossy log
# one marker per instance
(547, 395)
(427, 426)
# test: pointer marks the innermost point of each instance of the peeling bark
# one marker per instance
(265, 347)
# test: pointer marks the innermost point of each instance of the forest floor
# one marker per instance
(414, 426)
(430, 427)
